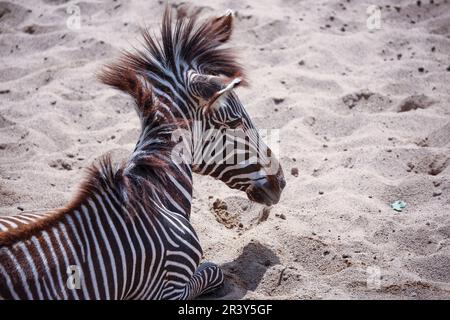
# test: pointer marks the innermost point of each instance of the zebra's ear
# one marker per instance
(222, 26)
(213, 90)
(220, 96)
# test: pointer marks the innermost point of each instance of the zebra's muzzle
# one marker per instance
(265, 192)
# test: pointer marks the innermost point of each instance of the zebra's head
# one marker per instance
(226, 143)
(191, 71)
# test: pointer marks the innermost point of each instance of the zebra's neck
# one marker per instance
(171, 86)
(152, 173)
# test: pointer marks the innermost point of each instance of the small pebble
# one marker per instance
(294, 172)
(264, 214)
(278, 100)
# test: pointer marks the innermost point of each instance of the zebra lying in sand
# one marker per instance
(127, 235)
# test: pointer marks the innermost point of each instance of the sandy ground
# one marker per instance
(364, 117)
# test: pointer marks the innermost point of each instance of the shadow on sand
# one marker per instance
(245, 272)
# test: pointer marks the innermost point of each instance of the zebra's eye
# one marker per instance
(236, 123)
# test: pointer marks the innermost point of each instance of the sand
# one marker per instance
(364, 120)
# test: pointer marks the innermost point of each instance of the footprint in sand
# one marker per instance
(415, 102)
(366, 101)
(239, 213)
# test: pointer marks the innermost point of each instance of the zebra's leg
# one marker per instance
(208, 277)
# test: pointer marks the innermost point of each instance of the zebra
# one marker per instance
(126, 234)
(118, 234)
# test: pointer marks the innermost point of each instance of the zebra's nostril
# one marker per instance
(282, 183)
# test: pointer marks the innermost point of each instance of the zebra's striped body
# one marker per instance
(123, 238)
(127, 234)
(148, 257)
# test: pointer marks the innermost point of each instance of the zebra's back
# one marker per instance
(92, 255)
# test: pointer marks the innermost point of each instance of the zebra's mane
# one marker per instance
(134, 183)
(94, 180)
(187, 42)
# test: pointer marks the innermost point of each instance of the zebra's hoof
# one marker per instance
(213, 274)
